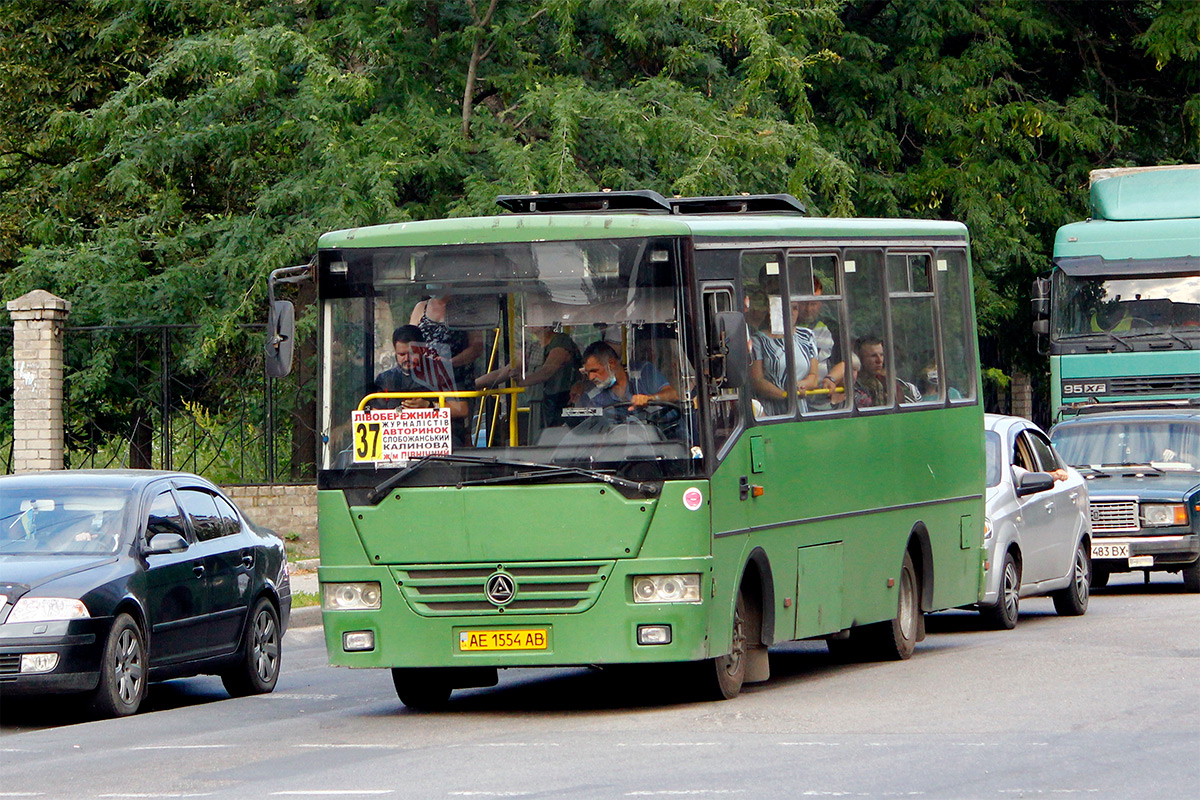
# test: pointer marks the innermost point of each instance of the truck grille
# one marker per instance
(559, 588)
(1155, 384)
(1115, 517)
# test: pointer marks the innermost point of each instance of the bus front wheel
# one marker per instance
(421, 689)
(721, 678)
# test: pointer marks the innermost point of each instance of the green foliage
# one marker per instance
(160, 157)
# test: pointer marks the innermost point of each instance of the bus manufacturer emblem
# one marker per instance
(500, 588)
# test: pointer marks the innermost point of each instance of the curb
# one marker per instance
(307, 617)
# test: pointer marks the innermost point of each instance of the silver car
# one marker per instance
(1037, 533)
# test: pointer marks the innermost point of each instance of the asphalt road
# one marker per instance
(1107, 705)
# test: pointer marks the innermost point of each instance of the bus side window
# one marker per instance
(914, 341)
(863, 287)
(954, 304)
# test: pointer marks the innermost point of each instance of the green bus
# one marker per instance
(1122, 305)
(640, 430)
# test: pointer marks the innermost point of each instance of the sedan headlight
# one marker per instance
(47, 609)
(666, 588)
(1163, 514)
(350, 596)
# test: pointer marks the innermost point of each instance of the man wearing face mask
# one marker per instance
(612, 384)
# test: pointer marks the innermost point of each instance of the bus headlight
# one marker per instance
(1162, 514)
(350, 596)
(666, 588)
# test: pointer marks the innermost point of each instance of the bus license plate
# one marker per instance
(1110, 550)
(525, 639)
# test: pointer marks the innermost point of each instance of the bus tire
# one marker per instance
(1072, 600)
(421, 689)
(895, 639)
(721, 677)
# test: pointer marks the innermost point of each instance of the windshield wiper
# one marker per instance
(550, 470)
(1088, 469)
(1171, 334)
(1075, 336)
(377, 494)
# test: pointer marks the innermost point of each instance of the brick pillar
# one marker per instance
(1022, 395)
(38, 319)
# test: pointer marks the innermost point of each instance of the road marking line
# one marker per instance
(676, 792)
(809, 744)
(470, 793)
(330, 792)
(334, 746)
(516, 744)
(180, 747)
(157, 794)
(667, 744)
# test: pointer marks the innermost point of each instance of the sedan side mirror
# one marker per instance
(162, 543)
(1034, 482)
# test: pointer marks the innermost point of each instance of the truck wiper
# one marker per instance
(550, 470)
(1172, 335)
(1075, 336)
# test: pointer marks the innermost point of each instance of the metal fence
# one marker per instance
(164, 397)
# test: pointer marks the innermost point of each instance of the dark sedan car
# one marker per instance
(112, 578)
(1143, 471)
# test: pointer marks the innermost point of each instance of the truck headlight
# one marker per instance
(666, 588)
(350, 596)
(47, 609)
(1163, 514)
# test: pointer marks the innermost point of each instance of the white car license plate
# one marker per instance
(1101, 550)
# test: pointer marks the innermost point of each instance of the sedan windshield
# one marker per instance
(1170, 444)
(568, 354)
(65, 521)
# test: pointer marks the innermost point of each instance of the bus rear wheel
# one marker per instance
(422, 689)
(895, 639)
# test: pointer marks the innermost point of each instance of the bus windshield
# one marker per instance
(1137, 307)
(566, 354)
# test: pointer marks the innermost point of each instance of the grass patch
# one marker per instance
(305, 599)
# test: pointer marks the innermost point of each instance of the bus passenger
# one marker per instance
(433, 316)
(872, 380)
(418, 369)
(768, 365)
(557, 373)
(612, 384)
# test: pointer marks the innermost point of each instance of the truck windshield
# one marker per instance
(1131, 308)
(564, 353)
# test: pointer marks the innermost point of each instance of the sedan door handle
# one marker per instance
(199, 570)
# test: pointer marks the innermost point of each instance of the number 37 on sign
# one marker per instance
(400, 434)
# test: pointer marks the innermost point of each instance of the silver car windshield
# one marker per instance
(63, 522)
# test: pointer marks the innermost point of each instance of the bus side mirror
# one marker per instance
(733, 346)
(1041, 327)
(281, 335)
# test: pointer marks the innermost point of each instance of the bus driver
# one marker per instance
(613, 385)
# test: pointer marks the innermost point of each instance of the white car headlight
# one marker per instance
(47, 609)
(350, 596)
(666, 588)
(1163, 514)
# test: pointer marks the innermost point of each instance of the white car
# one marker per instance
(1037, 531)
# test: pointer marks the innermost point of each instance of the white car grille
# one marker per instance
(1115, 517)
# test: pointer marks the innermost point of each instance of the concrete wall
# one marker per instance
(283, 509)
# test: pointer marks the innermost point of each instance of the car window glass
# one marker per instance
(230, 522)
(991, 441)
(1023, 456)
(1047, 461)
(164, 517)
(201, 508)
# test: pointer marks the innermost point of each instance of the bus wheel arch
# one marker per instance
(921, 552)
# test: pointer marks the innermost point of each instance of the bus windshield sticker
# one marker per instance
(693, 498)
(401, 434)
